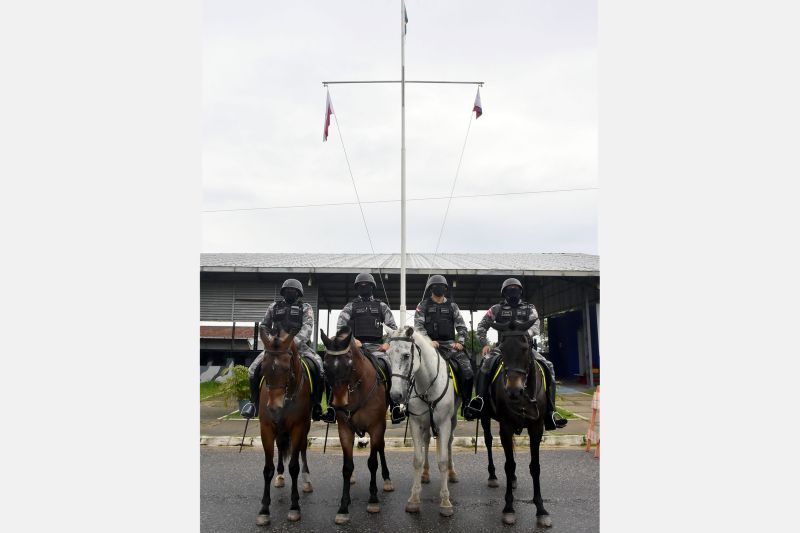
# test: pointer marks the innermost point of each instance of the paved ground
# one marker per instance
(232, 484)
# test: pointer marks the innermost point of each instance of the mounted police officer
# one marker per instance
(288, 313)
(512, 308)
(441, 319)
(366, 316)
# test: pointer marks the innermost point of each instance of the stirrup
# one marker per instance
(398, 414)
(558, 421)
(329, 416)
(248, 411)
(473, 410)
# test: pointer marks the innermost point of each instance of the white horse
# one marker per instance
(421, 381)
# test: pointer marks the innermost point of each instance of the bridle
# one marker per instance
(525, 372)
(412, 382)
(351, 388)
(291, 379)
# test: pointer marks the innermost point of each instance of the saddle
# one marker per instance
(453, 369)
(382, 368)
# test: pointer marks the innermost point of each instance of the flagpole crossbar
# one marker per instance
(326, 83)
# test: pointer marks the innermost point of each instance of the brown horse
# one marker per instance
(358, 396)
(284, 403)
(517, 400)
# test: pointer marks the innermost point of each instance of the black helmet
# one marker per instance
(508, 283)
(436, 280)
(365, 277)
(294, 284)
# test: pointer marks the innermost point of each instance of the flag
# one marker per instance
(328, 113)
(477, 107)
(405, 19)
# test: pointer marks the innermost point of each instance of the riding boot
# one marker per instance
(466, 394)
(329, 415)
(475, 406)
(316, 388)
(251, 409)
(552, 420)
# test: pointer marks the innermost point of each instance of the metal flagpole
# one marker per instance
(402, 164)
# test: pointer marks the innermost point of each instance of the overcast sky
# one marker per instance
(263, 64)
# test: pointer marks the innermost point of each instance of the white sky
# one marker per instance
(263, 111)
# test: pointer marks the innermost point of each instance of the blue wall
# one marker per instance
(563, 337)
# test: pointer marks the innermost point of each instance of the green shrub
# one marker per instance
(237, 386)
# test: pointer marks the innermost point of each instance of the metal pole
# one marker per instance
(402, 166)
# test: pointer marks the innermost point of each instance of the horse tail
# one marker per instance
(283, 441)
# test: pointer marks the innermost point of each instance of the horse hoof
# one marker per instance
(426, 478)
(307, 487)
(280, 481)
(452, 477)
(544, 521)
(373, 508)
(342, 519)
(353, 480)
(387, 485)
(412, 507)
(293, 515)
(262, 520)
(494, 483)
(446, 511)
(509, 518)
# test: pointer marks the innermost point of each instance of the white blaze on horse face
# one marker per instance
(400, 358)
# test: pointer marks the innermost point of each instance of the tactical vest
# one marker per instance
(507, 313)
(440, 322)
(366, 320)
(286, 316)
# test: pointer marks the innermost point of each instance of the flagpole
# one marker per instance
(402, 164)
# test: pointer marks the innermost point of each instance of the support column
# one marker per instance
(588, 336)
(316, 327)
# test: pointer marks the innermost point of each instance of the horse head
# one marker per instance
(515, 352)
(402, 347)
(338, 359)
(278, 366)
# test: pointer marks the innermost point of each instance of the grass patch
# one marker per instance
(569, 415)
(209, 389)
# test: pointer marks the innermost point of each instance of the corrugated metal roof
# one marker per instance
(530, 264)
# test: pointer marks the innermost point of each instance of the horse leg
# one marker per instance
(294, 470)
(486, 423)
(507, 438)
(542, 516)
(387, 481)
(375, 440)
(280, 479)
(268, 442)
(307, 487)
(416, 487)
(443, 462)
(452, 477)
(426, 441)
(346, 439)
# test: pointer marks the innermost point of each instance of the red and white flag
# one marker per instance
(477, 107)
(328, 113)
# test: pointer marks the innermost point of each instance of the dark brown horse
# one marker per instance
(517, 400)
(284, 403)
(358, 396)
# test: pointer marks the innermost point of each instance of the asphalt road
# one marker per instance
(232, 483)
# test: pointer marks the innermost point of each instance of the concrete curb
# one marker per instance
(397, 442)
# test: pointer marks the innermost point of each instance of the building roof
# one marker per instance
(542, 264)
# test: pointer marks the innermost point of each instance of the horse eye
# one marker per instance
(406, 355)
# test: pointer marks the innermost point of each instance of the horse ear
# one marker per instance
(344, 336)
(409, 331)
(325, 340)
(387, 330)
(287, 341)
